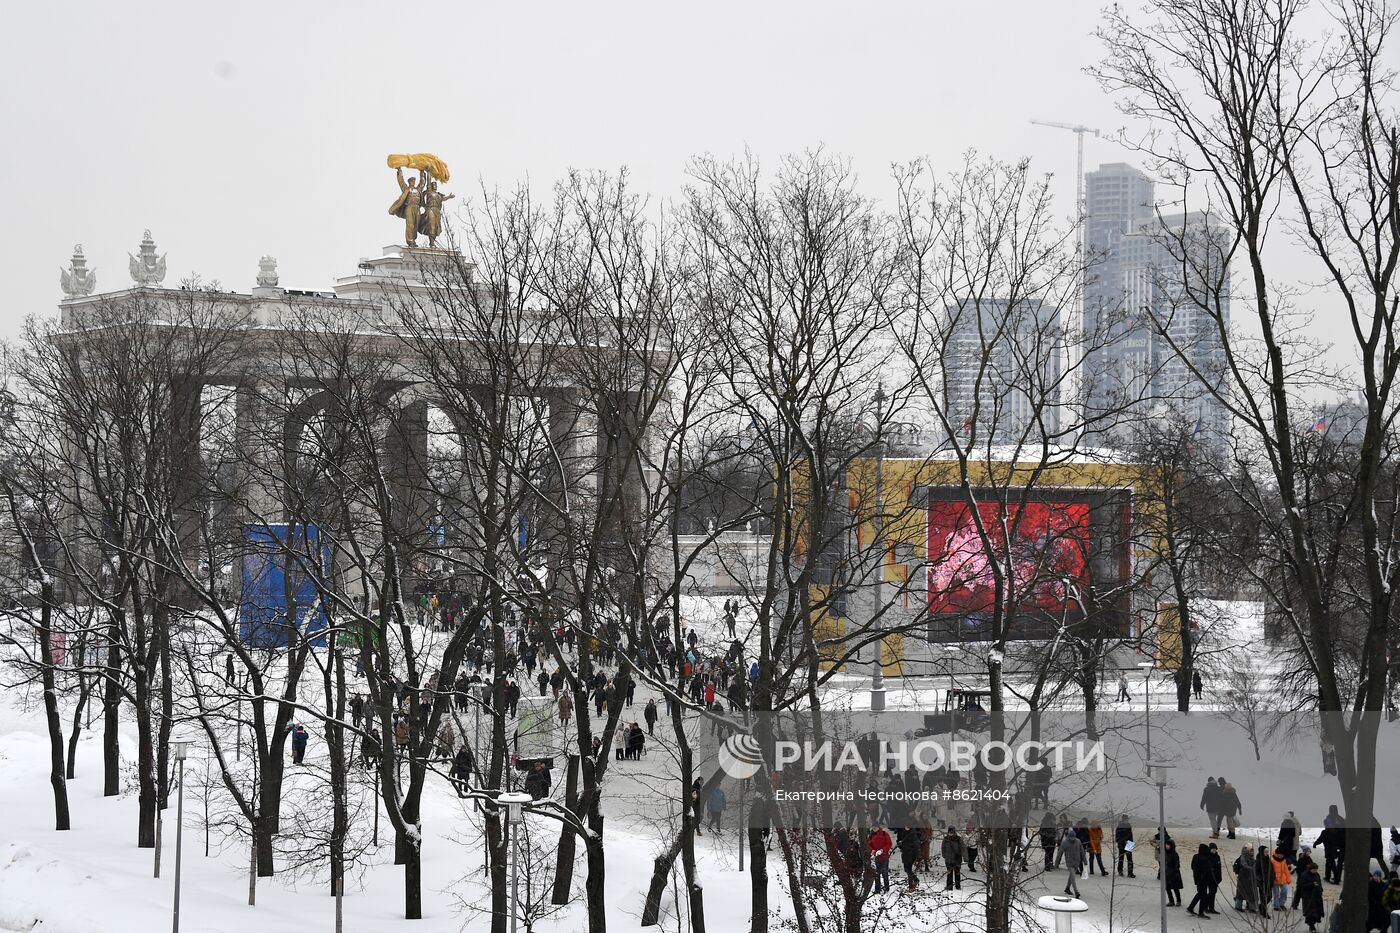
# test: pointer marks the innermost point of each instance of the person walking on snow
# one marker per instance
(299, 740)
(880, 847)
(1123, 694)
(1246, 883)
(952, 851)
(1202, 874)
(1282, 879)
(1174, 882)
(715, 805)
(1122, 835)
(1230, 807)
(1210, 803)
(1073, 851)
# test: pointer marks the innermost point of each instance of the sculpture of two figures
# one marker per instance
(420, 202)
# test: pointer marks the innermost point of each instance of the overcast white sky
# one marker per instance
(237, 129)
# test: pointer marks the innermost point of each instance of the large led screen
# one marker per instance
(1045, 545)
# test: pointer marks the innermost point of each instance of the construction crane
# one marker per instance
(1080, 209)
(1078, 130)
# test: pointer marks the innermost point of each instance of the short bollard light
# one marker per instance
(1064, 909)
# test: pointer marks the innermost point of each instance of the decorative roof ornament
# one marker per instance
(267, 272)
(77, 280)
(146, 267)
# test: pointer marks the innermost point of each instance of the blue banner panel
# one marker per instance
(279, 596)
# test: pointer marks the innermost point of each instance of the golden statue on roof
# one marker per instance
(420, 202)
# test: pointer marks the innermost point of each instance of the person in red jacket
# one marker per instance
(709, 694)
(881, 845)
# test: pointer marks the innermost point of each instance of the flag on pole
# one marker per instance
(1320, 424)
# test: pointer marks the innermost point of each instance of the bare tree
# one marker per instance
(1286, 139)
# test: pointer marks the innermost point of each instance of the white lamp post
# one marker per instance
(1064, 909)
(514, 802)
(179, 749)
(1160, 769)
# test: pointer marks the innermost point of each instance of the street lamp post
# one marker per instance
(1160, 767)
(903, 433)
(514, 801)
(877, 674)
(1147, 667)
(179, 749)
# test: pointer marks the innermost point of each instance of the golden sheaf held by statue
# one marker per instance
(420, 202)
(423, 162)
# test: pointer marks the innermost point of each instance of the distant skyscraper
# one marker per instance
(1002, 369)
(1147, 270)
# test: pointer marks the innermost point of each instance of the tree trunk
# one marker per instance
(660, 872)
(413, 878)
(84, 694)
(335, 746)
(758, 882)
(57, 775)
(496, 846)
(147, 798)
(564, 860)
(594, 892)
(111, 708)
(265, 834)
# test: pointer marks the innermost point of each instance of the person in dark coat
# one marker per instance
(1375, 906)
(1122, 835)
(1217, 876)
(1246, 882)
(462, 765)
(537, 781)
(1300, 868)
(649, 714)
(1174, 882)
(697, 804)
(543, 681)
(1333, 840)
(1072, 851)
(1230, 806)
(952, 851)
(1378, 846)
(1202, 876)
(907, 839)
(1049, 839)
(1264, 874)
(357, 710)
(1309, 890)
(1210, 803)
(299, 740)
(1287, 837)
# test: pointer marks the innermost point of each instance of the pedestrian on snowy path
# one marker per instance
(880, 847)
(715, 805)
(1173, 868)
(1202, 875)
(1122, 835)
(1246, 882)
(299, 740)
(952, 851)
(1072, 851)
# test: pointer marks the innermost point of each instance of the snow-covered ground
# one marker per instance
(94, 878)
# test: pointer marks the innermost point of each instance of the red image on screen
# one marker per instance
(1047, 557)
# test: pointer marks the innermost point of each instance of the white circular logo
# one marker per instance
(740, 757)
